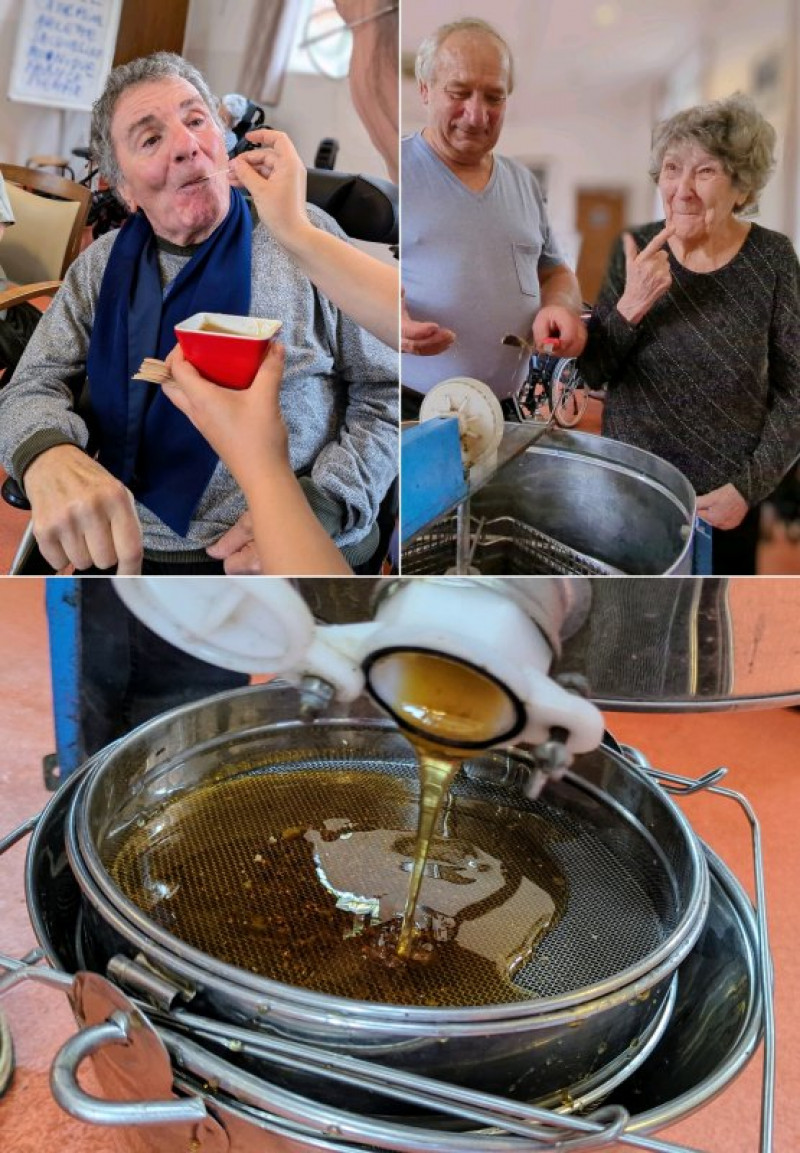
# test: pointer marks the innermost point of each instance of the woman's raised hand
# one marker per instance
(647, 274)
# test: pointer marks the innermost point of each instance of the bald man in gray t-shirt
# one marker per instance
(479, 259)
(473, 261)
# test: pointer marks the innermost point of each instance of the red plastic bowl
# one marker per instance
(226, 349)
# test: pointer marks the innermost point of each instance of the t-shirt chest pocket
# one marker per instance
(526, 261)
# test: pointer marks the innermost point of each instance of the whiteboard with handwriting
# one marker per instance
(64, 51)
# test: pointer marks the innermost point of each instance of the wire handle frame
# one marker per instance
(686, 786)
(542, 1130)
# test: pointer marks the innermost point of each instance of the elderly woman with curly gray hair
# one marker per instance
(696, 330)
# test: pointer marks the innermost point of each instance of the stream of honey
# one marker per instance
(453, 702)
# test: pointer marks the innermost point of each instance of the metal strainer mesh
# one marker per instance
(506, 546)
(277, 869)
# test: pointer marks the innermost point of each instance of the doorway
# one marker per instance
(599, 219)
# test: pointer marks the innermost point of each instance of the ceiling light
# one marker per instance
(605, 14)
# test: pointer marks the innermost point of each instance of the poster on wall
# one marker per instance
(63, 52)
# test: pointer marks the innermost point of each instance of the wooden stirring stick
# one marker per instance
(153, 371)
(216, 172)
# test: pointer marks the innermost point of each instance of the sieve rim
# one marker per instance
(728, 891)
(108, 900)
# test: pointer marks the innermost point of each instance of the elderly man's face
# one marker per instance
(165, 140)
(466, 99)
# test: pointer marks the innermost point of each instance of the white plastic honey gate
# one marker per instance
(507, 631)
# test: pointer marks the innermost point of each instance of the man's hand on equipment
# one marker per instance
(82, 515)
(554, 322)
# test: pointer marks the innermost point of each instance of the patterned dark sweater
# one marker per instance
(710, 377)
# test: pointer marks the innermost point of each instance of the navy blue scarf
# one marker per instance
(142, 438)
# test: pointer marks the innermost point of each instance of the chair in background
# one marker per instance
(59, 164)
(35, 253)
(366, 207)
(51, 216)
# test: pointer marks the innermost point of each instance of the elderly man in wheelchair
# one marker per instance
(116, 476)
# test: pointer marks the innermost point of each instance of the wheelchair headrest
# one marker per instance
(366, 207)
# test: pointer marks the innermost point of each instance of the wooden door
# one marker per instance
(600, 217)
(147, 26)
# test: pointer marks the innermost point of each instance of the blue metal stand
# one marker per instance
(432, 474)
(701, 548)
(63, 604)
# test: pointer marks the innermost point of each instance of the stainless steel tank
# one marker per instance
(571, 504)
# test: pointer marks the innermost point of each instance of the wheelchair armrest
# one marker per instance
(366, 207)
(19, 293)
(12, 494)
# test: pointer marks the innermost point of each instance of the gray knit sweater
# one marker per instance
(339, 398)
(710, 378)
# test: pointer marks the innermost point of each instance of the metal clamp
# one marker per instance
(78, 1103)
(683, 787)
(140, 977)
(206, 1133)
(672, 782)
(120, 1028)
(18, 971)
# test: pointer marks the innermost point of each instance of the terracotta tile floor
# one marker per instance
(30, 1121)
(761, 750)
(12, 526)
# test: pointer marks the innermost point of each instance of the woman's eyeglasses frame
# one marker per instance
(347, 26)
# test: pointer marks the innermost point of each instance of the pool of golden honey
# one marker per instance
(445, 699)
(302, 876)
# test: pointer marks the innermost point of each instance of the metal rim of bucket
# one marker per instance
(112, 905)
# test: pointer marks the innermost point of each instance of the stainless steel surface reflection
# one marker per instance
(689, 643)
(599, 498)
(683, 643)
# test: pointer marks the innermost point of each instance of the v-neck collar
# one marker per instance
(476, 194)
